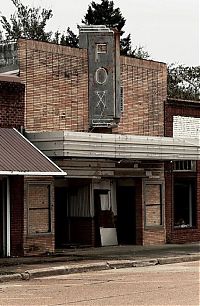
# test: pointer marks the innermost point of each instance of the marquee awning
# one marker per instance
(18, 156)
(96, 145)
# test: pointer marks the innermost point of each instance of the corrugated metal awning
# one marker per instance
(18, 156)
(96, 145)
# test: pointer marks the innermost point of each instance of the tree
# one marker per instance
(184, 82)
(105, 13)
(27, 22)
(30, 22)
(70, 39)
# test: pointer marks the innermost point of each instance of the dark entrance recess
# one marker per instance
(126, 215)
(1, 218)
(61, 218)
(103, 218)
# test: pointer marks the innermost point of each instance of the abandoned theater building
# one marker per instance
(94, 152)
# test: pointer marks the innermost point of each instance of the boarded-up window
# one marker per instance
(153, 205)
(39, 215)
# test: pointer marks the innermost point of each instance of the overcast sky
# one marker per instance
(167, 29)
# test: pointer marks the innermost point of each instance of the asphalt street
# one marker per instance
(171, 284)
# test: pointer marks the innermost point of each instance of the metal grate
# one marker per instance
(185, 165)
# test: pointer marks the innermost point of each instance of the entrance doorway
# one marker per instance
(62, 235)
(126, 215)
(72, 213)
(104, 218)
(4, 217)
(1, 218)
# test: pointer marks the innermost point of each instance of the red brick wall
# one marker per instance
(56, 79)
(154, 236)
(179, 108)
(144, 84)
(39, 245)
(179, 235)
(11, 104)
(139, 212)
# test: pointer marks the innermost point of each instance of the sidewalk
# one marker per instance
(90, 259)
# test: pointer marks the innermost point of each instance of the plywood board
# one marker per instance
(108, 236)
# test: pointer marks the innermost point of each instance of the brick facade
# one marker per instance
(144, 90)
(174, 107)
(11, 103)
(180, 235)
(139, 212)
(56, 79)
(12, 116)
(21, 243)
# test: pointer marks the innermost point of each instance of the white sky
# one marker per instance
(167, 29)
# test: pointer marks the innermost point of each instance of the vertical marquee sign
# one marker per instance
(104, 74)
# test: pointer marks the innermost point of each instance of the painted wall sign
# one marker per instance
(186, 127)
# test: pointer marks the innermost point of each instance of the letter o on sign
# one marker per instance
(101, 75)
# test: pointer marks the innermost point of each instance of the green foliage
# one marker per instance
(70, 39)
(125, 45)
(1, 37)
(104, 13)
(30, 22)
(139, 52)
(184, 82)
(27, 22)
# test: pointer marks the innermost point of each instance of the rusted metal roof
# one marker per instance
(18, 156)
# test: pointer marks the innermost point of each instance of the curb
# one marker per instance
(63, 270)
(108, 265)
(169, 260)
(117, 264)
(10, 277)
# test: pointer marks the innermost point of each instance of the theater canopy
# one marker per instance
(20, 157)
(96, 145)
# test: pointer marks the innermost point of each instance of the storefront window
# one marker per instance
(184, 202)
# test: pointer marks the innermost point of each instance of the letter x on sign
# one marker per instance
(102, 100)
